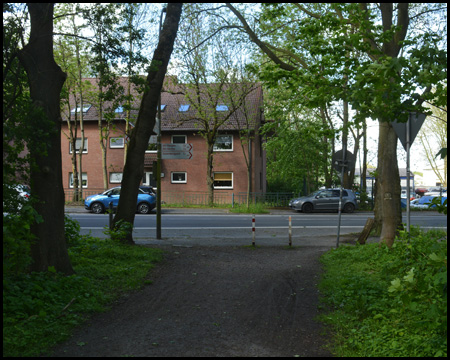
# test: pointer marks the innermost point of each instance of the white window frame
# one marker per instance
(224, 172)
(78, 141)
(185, 139)
(84, 177)
(223, 135)
(178, 181)
(115, 181)
(113, 143)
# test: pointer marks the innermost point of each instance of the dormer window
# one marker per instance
(184, 108)
(78, 109)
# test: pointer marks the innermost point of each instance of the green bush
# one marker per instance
(40, 309)
(17, 239)
(388, 302)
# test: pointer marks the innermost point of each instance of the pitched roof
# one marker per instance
(244, 103)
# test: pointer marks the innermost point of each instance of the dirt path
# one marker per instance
(214, 301)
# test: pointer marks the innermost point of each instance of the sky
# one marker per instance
(418, 161)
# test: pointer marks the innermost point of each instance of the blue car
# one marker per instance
(99, 203)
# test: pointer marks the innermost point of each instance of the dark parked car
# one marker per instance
(100, 202)
(327, 199)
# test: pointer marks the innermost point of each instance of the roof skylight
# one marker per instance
(78, 109)
(222, 107)
(184, 108)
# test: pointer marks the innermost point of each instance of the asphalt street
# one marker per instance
(186, 227)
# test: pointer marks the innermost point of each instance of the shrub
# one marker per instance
(388, 302)
(17, 239)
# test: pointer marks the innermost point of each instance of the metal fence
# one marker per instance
(69, 194)
(201, 198)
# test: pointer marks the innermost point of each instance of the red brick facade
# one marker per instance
(179, 175)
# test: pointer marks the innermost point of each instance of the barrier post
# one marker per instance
(253, 230)
(290, 232)
(110, 215)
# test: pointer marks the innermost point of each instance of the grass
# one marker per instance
(257, 208)
(388, 302)
(41, 309)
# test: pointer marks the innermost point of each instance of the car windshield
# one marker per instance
(314, 193)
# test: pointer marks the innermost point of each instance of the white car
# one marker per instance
(415, 204)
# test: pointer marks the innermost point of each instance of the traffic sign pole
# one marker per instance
(408, 195)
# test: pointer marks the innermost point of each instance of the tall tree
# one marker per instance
(134, 165)
(388, 78)
(210, 78)
(104, 21)
(433, 137)
(45, 80)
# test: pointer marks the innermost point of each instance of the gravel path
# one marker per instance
(214, 301)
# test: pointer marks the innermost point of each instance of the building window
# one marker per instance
(83, 179)
(223, 143)
(115, 177)
(116, 143)
(179, 178)
(222, 108)
(78, 145)
(183, 108)
(223, 180)
(86, 107)
(179, 139)
(149, 179)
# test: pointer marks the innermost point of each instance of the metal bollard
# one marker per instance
(290, 232)
(253, 230)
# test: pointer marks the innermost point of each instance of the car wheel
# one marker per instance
(97, 208)
(307, 208)
(143, 208)
(349, 208)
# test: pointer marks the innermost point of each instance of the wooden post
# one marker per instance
(366, 231)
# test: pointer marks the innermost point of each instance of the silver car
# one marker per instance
(327, 199)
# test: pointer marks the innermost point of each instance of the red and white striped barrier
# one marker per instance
(253, 230)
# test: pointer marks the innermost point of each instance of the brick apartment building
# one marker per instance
(179, 125)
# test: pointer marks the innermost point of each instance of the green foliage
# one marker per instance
(120, 231)
(257, 208)
(388, 302)
(17, 239)
(40, 309)
(440, 205)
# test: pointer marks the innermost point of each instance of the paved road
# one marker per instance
(216, 226)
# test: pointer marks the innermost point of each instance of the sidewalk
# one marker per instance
(72, 209)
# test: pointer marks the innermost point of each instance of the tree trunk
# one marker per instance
(209, 172)
(134, 165)
(388, 215)
(46, 79)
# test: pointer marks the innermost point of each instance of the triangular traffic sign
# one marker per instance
(416, 121)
